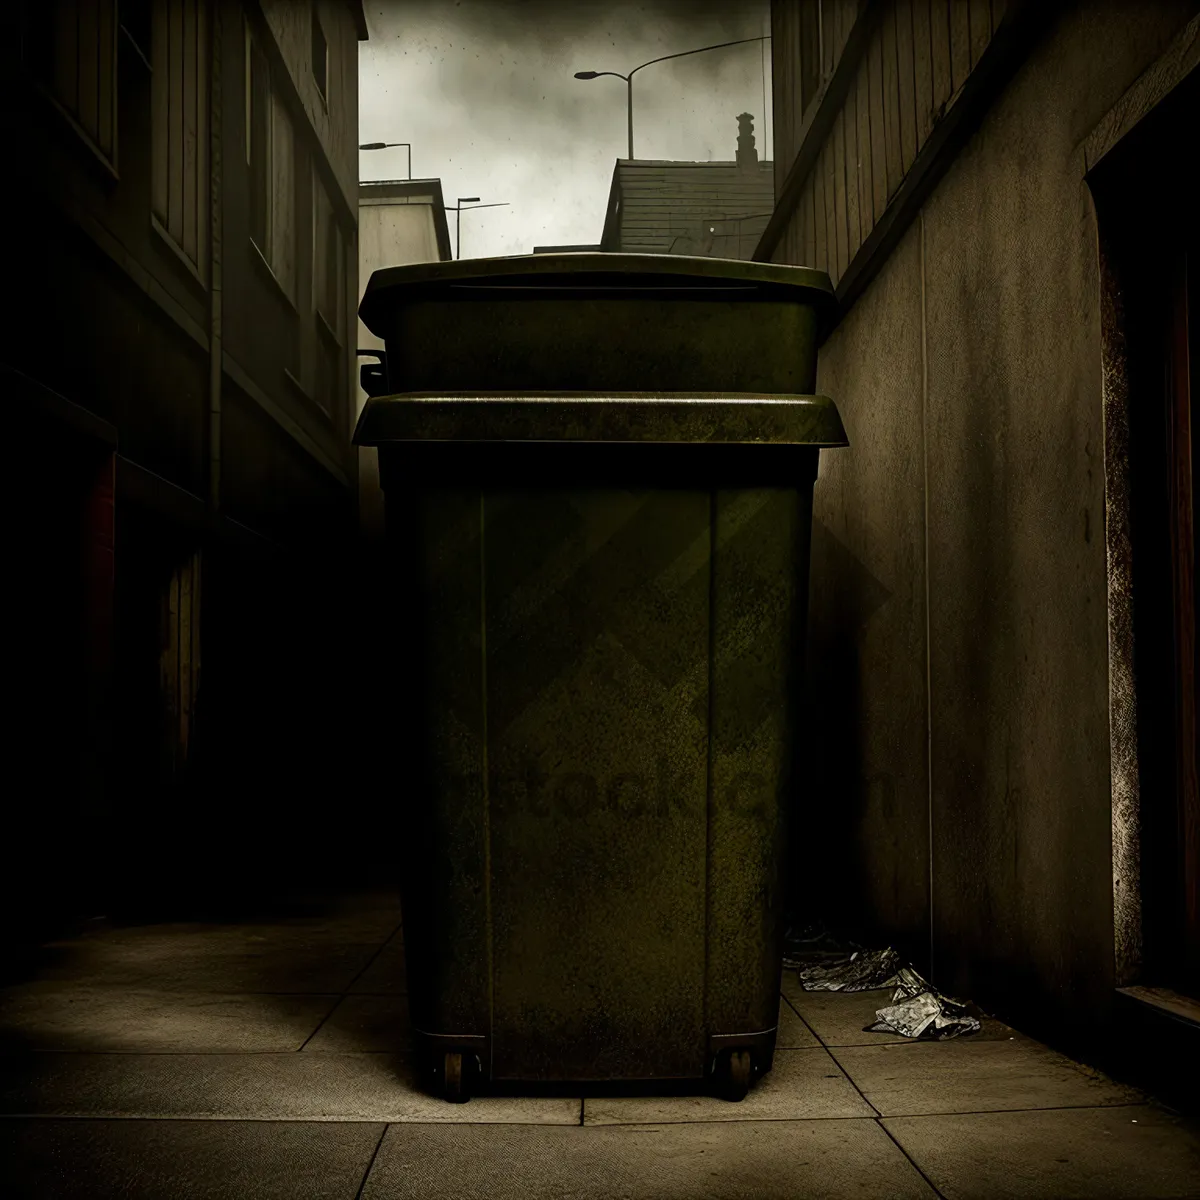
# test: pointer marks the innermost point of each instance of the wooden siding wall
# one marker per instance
(333, 117)
(282, 248)
(179, 120)
(832, 21)
(918, 58)
(81, 37)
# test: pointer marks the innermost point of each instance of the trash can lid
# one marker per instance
(591, 272)
(661, 417)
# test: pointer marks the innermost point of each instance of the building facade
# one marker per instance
(181, 207)
(711, 209)
(1002, 632)
(400, 222)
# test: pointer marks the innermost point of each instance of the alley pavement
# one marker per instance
(269, 1058)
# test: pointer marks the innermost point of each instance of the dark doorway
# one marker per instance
(157, 665)
(1146, 200)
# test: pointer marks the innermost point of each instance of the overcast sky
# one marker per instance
(484, 91)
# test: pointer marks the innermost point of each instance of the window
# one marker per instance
(271, 159)
(327, 260)
(328, 298)
(258, 142)
(320, 58)
(180, 181)
(75, 47)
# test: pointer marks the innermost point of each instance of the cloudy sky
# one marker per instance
(484, 91)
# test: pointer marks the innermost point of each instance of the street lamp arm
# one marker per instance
(388, 145)
(681, 54)
(685, 53)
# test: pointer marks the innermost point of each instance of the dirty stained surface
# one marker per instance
(268, 1057)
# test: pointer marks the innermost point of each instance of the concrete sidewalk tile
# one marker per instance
(841, 1018)
(968, 1075)
(41, 1017)
(278, 1087)
(366, 1023)
(387, 974)
(793, 1033)
(1115, 1153)
(774, 1160)
(217, 1160)
(801, 1084)
(838, 1018)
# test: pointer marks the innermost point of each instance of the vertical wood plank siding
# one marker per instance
(783, 133)
(918, 55)
(879, 175)
(891, 104)
(980, 23)
(80, 69)
(179, 125)
(850, 133)
(939, 43)
(819, 227)
(174, 16)
(835, 21)
(191, 85)
(906, 70)
(866, 203)
(960, 43)
(922, 69)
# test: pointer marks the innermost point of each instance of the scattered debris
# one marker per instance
(918, 1010)
(861, 971)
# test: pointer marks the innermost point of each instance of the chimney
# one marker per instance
(747, 156)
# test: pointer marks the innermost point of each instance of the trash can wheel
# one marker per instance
(734, 1073)
(454, 1086)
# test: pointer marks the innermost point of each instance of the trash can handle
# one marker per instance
(372, 378)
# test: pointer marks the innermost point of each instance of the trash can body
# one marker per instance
(599, 607)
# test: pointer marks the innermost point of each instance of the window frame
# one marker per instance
(262, 163)
(41, 67)
(161, 219)
(320, 80)
(328, 266)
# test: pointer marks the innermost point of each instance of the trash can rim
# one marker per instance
(673, 418)
(591, 270)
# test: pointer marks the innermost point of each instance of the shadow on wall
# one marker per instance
(274, 796)
(828, 867)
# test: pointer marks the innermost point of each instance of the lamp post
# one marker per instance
(386, 145)
(473, 201)
(629, 78)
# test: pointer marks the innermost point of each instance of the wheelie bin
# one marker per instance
(598, 474)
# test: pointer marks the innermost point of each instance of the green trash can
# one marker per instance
(598, 475)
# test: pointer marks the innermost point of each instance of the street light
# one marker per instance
(629, 78)
(386, 145)
(473, 201)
